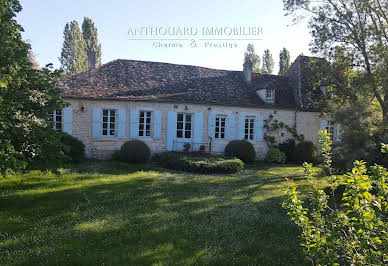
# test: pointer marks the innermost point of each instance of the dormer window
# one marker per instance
(270, 93)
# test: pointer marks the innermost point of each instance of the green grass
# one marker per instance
(112, 213)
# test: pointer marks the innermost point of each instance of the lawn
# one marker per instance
(112, 213)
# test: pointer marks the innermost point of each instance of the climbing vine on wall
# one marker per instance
(272, 125)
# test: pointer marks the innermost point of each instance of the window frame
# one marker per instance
(145, 124)
(184, 124)
(250, 136)
(330, 125)
(53, 117)
(109, 122)
(269, 92)
(218, 127)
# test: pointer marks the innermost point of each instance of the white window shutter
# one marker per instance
(121, 123)
(96, 122)
(198, 126)
(231, 123)
(260, 125)
(338, 132)
(211, 125)
(171, 129)
(157, 124)
(241, 128)
(134, 124)
(68, 120)
(323, 125)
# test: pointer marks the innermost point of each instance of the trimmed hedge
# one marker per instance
(208, 164)
(241, 149)
(135, 151)
(305, 151)
(73, 148)
(274, 155)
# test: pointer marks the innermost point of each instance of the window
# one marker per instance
(108, 122)
(249, 127)
(145, 124)
(56, 118)
(269, 94)
(330, 128)
(183, 128)
(220, 126)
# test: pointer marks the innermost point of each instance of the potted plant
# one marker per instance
(186, 147)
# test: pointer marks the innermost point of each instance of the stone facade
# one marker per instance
(307, 123)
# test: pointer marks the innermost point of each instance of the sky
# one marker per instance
(43, 22)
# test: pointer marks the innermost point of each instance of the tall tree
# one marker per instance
(251, 55)
(27, 95)
(73, 56)
(284, 61)
(359, 30)
(90, 34)
(268, 62)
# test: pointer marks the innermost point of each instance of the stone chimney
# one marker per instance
(91, 60)
(247, 71)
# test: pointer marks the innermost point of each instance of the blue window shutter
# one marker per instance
(241, 128)
(198, 126)
(337, 132)
(323, 125)
(211, 125)
(134, 124)
(231, 123)
(260, 124)
(68, 120)
(171, 129)
(121, 123)
(96, 123)
(157, 124)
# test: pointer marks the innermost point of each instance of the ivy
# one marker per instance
(272, 125)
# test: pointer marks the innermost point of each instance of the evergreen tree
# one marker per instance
(90, 35)
(268, 62)
(251, 55)
(284, 61)
(27, 95)
(73, 56)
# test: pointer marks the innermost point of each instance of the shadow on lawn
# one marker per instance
(182, 219)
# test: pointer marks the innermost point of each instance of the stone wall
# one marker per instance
(307, 123)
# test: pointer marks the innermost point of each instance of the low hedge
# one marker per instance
(241, 149)
(274, 155)
(205, 164)
(134, 151)
(73, 148)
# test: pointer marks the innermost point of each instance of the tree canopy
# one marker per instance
(251, 55)
(284, 61)
(268, 62)
(27, 95)
(89, 32)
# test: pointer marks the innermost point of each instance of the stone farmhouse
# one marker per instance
(168, 105)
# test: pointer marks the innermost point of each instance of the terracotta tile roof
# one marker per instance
(164, 82)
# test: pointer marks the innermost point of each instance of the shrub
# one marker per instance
(241, 149)
(305, 151)
(274, 155)
(288, 147)
(208, 164)
(351, 229)
(116, 155)
(73, 148)
(135, 151)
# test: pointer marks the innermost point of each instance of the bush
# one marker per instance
(116, 155)
(274, 155)
(288, 147)
(73, 148)
(350, 227)
(135, 151)
(209, 164)
(241, 149)
(305, 151)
